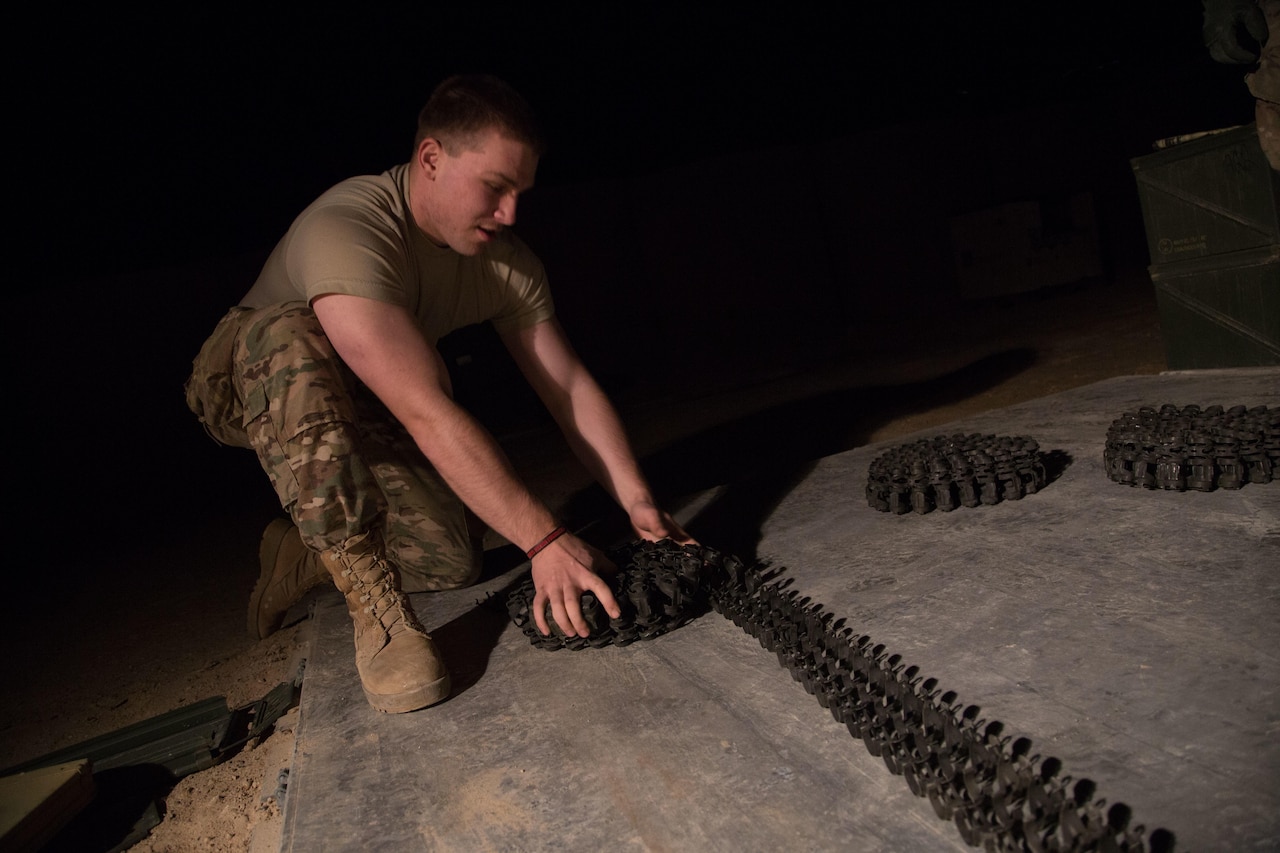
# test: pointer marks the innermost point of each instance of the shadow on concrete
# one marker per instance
(468, 640)
(756, 460)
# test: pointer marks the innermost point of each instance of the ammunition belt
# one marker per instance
(998, 793)
(946, 472)
(658, 588)
(1181, 448)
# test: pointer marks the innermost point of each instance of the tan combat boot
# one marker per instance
(399, 665)
(289, 570)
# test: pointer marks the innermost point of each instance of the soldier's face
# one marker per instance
(472, 193)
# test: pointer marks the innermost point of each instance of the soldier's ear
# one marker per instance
(429, 154)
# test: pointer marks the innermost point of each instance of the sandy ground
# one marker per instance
(163, 628)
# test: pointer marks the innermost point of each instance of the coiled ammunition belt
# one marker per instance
(1181, 448)
(658, 587)
(946, 472)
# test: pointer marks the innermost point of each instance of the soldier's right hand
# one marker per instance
(562, 572)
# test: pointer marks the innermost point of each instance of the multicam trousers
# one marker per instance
(268, 379)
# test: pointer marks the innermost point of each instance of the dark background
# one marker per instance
(158, 155)
(158, 137)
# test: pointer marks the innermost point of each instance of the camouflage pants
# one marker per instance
(268, 379)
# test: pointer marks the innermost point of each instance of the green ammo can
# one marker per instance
(1209, 204)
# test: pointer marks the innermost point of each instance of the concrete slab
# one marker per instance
(1132, 634)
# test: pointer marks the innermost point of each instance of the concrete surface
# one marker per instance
(1132, 634)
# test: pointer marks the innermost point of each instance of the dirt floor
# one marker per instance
(160, 629)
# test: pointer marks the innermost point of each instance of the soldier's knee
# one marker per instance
(438, 571)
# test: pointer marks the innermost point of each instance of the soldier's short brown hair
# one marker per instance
(465, 106)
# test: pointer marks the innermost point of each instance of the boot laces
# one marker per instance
(381, 600)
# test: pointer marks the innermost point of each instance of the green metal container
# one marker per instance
(1211, 195)
(1220, 311)
(1210, 209)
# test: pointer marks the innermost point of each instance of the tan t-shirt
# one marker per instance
(359, 238)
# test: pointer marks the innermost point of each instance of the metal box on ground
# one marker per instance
(1222, 310)
(1210, 195)
(1210, 207)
